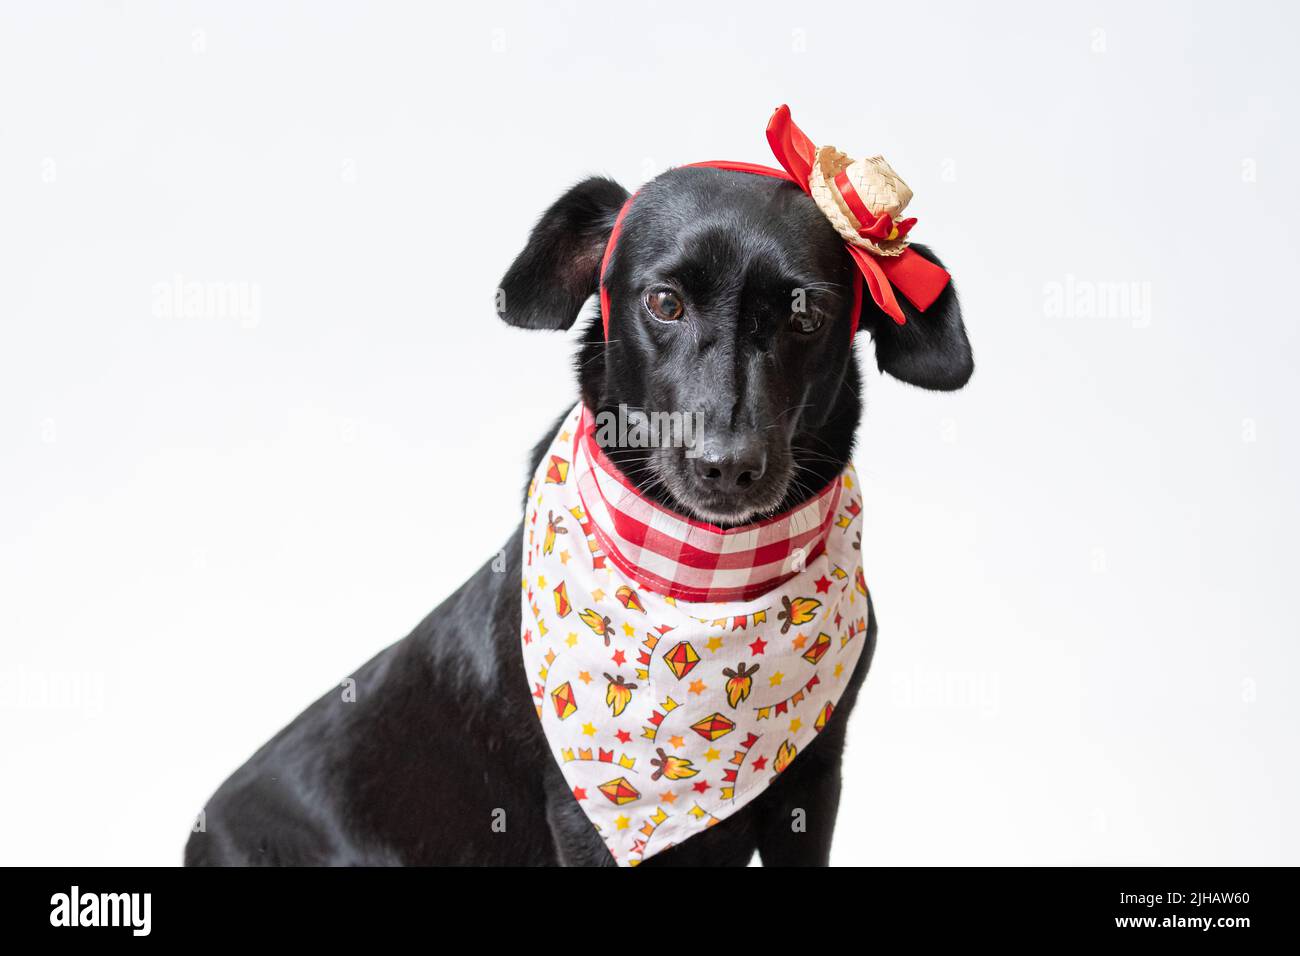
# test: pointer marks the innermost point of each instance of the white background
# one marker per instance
(1083, 563)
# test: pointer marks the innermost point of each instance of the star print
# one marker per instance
(760, 763)
(799, 641)
(598, 595)
(838, 620)
(698, 687)
(589, 729)
(623, 736)
(619, 658)
(795, 725)
(714, 643)
(579, 793)
(701, 786)
(823, 584)
(776, 679)
(711, 754)
(564, 557)
(758, 647)
(584, 677)
(571, 639)
(629, 630)
(621, 822)
(564, 435)
(668, 797)
(839, 669)
(541, 581)
(676, 743)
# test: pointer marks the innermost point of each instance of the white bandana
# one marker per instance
(666, 715)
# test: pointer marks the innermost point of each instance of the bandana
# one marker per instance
(863, 199)
(678, 668)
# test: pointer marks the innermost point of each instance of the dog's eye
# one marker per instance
(806, 323)
(664, 304)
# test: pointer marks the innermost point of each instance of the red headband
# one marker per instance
(917, 278)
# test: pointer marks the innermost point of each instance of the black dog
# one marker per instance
(701, 287)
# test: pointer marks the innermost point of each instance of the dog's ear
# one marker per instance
(549, 281)
(931, 349)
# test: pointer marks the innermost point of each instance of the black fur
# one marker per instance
(382, 780)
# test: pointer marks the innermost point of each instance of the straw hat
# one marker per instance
(877, 188)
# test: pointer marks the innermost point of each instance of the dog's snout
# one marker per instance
(736, 462)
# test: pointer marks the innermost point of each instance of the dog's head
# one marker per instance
(731, 305)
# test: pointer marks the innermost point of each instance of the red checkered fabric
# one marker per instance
(689, 560)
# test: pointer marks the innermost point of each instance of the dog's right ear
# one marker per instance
(559, 269)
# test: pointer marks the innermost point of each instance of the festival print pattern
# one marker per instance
(665, 716)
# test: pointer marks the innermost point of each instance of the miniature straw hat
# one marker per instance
(878, 188)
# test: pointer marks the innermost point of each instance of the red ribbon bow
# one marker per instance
(917, 278)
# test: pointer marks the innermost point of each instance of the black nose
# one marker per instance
(735, 463)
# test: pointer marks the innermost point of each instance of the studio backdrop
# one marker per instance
(260, 416)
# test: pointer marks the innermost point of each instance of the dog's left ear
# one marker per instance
(559, 269)
(931, 349)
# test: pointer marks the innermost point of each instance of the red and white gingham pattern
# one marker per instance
(688, 560)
